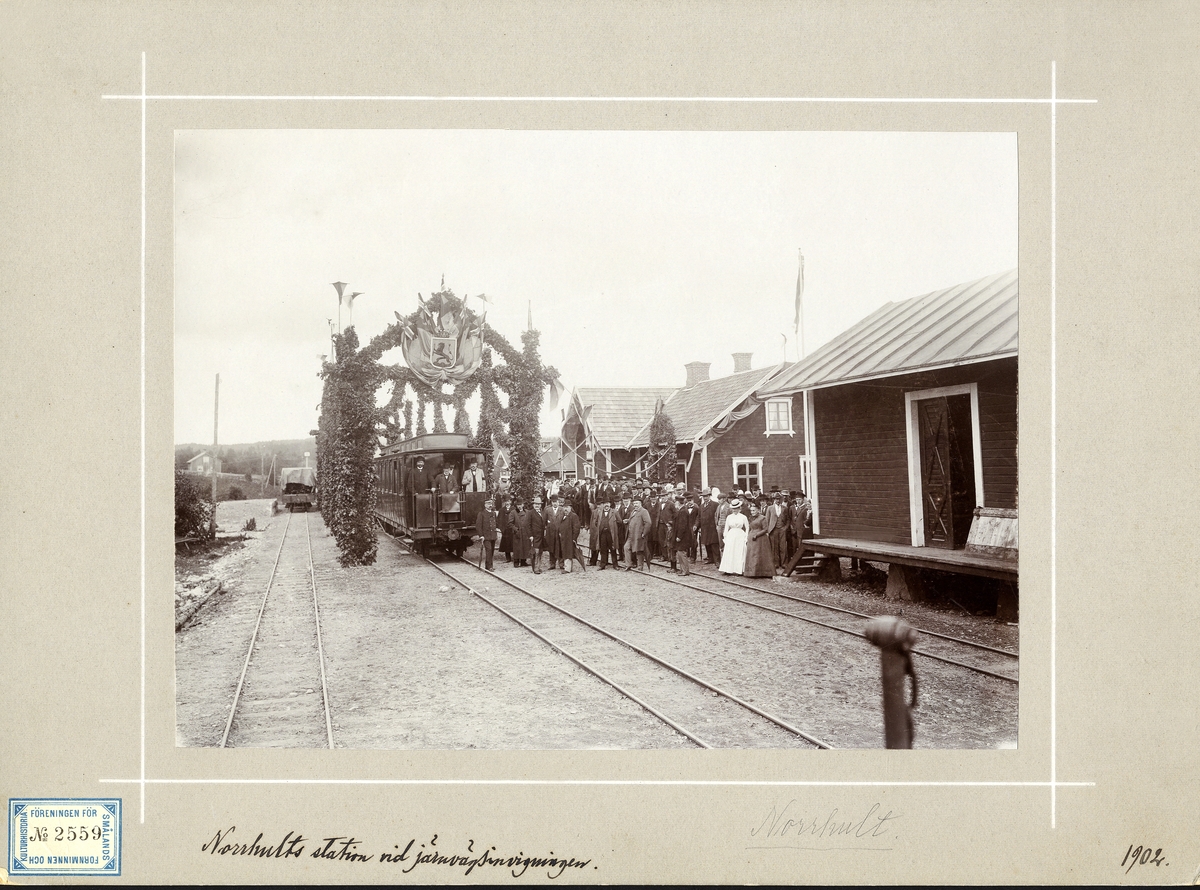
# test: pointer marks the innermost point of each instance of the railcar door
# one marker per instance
(423, 474)
(474, 491)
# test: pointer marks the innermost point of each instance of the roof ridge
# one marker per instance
(931, 328)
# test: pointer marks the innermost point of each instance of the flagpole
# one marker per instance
(800, 306)
(804, 394)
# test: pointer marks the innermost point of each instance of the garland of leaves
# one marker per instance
(662, 446)
(351, 424)
(346, 439)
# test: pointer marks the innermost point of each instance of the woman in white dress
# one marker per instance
(733, 556)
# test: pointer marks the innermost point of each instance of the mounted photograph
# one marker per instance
(596, 440)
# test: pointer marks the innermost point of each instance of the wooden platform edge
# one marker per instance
(875, 554)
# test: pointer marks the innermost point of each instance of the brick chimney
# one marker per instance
(697, 372)
(741, 361)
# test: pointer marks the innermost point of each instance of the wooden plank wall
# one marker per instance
(862, 462)
(998, 431)
(862, 450)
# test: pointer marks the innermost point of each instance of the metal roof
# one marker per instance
(619, 411)
(694, 409)
(967, 323)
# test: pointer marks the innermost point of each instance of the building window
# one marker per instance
(779, 417)
(747, 473)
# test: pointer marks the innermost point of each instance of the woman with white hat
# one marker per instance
(733, 553)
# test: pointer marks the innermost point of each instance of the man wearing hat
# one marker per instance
(801, 520)
(777, 530)
(636, 543)
(624, 509)
(537, 532)
(723, 509)
(652, 506)
(485, 524)
(665, 528)
(708, 527)
(568, 539)
(687, 521)
(605, 525)
(552, 516)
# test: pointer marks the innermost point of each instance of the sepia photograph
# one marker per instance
(548, 443)
(596, 440)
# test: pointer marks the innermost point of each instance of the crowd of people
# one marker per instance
(754, 534)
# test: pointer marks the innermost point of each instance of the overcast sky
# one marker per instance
(640, 251)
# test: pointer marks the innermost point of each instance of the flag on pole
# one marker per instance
(485, 299)
(556, 392)
(799, 293)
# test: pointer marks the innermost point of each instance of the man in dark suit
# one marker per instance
(800, 527)
(687, 520)
(568, 538)
(665, 528)
(552, 516)
(447, 483)
(623, 513)
(421, 480)
(605, 492)
(777, 530)
(708, 528)
(606, 535)
(485, 524)
(652, 506)
(537, 531)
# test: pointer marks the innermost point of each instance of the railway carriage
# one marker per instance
(409, 502)
(299, 488)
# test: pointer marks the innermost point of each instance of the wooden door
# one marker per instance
(934, 419)
(947, 470)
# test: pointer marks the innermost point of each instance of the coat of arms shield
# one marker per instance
(445, 341)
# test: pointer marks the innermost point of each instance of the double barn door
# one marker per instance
(947, 469)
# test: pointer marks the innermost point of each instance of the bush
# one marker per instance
(250, 525)
(193, 510)
(235, 494)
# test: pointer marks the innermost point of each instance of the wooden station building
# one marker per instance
(914, 433)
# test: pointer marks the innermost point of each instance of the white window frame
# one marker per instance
(790, 431)
(916, 509)
(748, 460)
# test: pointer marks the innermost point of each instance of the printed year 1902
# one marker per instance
(1140, 855)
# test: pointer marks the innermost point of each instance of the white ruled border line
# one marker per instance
(1053, 101)
(773, 783)
(742, 100)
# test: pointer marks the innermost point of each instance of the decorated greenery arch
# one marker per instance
(351, 425)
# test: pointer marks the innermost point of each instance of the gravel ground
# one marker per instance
(823, 681)
(415, 661)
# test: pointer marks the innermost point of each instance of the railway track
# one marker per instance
(994, 662)
(706, 714)
(281, 699)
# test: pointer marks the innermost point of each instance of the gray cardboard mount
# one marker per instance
(1109, 321)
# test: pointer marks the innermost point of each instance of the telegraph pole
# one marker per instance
(216, 403)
